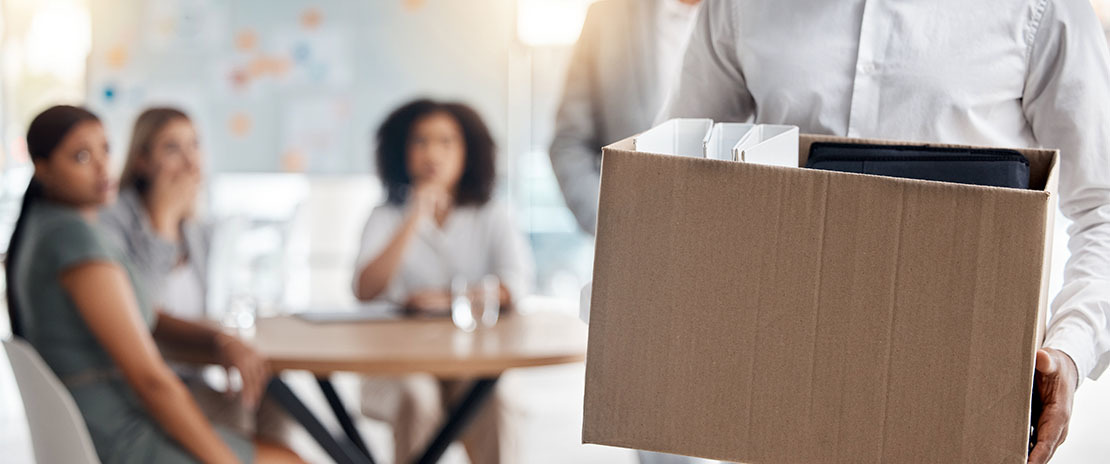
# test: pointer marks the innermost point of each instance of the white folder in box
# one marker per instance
(682, 137)
(769, 144)
(753, 143)
(723, 138)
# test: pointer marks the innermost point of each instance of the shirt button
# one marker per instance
(866, 68)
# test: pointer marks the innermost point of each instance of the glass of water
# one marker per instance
(462, 309)
(475, 302)
(489, 293)
(241, 314)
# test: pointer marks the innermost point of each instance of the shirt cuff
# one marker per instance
(1075, 341)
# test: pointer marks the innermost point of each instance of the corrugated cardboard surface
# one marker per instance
(777, 315)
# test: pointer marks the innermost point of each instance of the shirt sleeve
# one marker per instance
(576, 148)
(511, 255)
(380, 228)
(152, 256)
(711, 83)
(1067, 103)
(73, 242)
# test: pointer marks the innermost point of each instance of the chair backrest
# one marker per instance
(58, 431)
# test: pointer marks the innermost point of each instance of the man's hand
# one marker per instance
(1054, 386)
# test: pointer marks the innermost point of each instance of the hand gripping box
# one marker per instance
(768, 314)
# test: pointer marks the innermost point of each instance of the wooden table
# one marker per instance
(404, 347)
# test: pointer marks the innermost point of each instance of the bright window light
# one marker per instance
(58, 40)
(550, 22)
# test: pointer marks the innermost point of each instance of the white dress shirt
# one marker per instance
(674, 21)
(1009, 73)
(475, 241)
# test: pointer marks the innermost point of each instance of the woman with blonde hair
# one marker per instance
(154, 221)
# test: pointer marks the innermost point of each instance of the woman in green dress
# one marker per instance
(74, 299)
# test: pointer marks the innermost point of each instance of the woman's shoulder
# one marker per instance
(123, 214)
(62, 235)
(48, 219)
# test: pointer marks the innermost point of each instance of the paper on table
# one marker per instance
(373, 311)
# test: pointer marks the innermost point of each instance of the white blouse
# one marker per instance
(183, 294)
(475, 241)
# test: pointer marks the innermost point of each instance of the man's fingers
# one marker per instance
(1040, 454)
(1051, 431)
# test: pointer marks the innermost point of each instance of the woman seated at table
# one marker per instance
(75, 299)
(436, 162)
(155, 224)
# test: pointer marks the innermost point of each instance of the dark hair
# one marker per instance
(46, 131)
(147, 126)
(475, 185)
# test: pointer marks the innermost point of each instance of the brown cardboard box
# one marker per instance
(766, 314)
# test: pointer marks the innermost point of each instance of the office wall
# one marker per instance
(296, 85)
(280, 89)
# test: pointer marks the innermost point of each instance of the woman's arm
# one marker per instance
(185, 334)
(374, 277)
(231, 351)
(107, 303)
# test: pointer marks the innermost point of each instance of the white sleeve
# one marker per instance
(711, 83)
(1067, 103)
(511, 255)
(380, 228)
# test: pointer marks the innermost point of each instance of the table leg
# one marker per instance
(343, 416)
(339, 451)
(460, 417)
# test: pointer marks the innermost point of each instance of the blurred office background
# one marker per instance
(286, 95)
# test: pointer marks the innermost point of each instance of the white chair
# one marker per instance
(58, 431)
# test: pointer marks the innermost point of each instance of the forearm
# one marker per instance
(375, 275)
(186, 334)
(172, 406)
(1080, 324)
(105, 300)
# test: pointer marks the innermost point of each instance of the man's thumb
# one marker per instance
(1045, 364)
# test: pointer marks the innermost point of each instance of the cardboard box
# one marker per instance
(769, 314)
